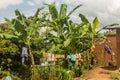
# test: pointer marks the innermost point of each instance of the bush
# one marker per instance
(24, 72)
(55, 73)
(115, 76)
(4, 74)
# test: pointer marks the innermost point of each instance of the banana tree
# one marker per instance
(59, 25)
(27, 31)
(70, 36)
(92, 28)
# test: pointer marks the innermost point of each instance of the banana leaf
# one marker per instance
(63, 11)
(37, 12)
(53, 11)
(67, 42)
(83, 18)
(74, 10)
(85, 30)
(95, 25)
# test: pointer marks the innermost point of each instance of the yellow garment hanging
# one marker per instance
(92, 49)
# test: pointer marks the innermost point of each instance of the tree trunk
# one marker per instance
(35, 75)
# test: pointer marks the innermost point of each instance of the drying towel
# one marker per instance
(73, 57)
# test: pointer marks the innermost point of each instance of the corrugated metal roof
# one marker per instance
(114, 27)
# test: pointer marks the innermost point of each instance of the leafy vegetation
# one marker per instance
(115, 76)
(50, 31)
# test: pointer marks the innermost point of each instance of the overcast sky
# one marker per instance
(108, 11)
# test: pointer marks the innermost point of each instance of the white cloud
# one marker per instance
(37, 1)
(69, 1)
(49, 1)
(30, 12)
(31, 3)
(34, 2)
(46, 1)
(6, 3)
(108, 11)
(115, 5)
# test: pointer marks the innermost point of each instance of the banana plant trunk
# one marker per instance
(35, 75)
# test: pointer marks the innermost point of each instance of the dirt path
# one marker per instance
(100, 73)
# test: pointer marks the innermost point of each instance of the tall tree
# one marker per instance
(27, 31)
(66, 36)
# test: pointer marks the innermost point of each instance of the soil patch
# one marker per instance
(101, 73)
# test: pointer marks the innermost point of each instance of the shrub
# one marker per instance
(115, 76)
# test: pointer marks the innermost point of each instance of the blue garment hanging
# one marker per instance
(24, 55)
(72, 60)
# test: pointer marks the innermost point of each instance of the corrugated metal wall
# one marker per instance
(118, 47)
(103, 58)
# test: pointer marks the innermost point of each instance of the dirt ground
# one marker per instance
(100, 73)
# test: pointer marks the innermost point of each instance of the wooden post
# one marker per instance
(118, 46)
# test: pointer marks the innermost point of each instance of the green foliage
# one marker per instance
(83, 18)
(7, 51)
(95, 24)
(24, 72)
(38, 10)
(4, 74)
(53, 11)
(55, 73)
(67, 42)
(115, 76)
(28, 28)
(63, 10)
(60, 35)
(7, 47)
(6, 32)
(85, 30)
(74, 9)
(69, 33)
